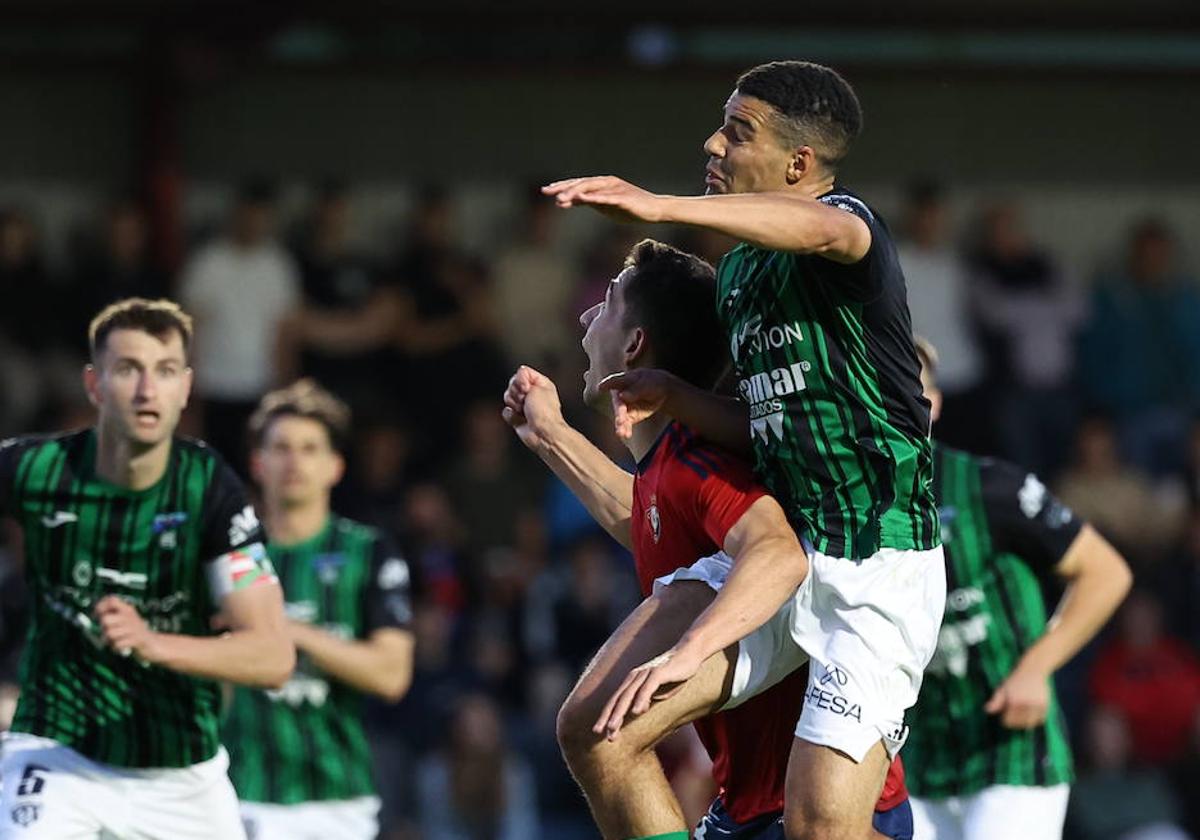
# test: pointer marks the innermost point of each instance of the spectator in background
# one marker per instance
(1118, 499)
(1151, 679)
(534, 285)
(446, 327)
(31, 329)
(1140, 351)
(938, 301)
(1114, 800)
(240, 288)
(343, 335)
(476, 788)
(433, 541)
(1028, 313)
(120, 265)
(491, 486)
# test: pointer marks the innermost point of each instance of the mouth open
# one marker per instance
(147, 417)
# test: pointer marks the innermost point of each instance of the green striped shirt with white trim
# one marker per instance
(824, 356)
(1003, 534)
(305, 742)
(156, 548)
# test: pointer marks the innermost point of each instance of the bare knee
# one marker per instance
(573, 727)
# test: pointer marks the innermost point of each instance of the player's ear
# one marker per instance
(803, 161)
(91, 384)
(636, 347)
(187, 385)
(339, 468)
(256, 466)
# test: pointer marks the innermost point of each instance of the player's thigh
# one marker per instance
(186, 803)
(1005, 811)
(651, 629)
(830, 793)
(41, 798)
(936, 819)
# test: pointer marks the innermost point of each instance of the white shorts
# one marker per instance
(1000, 812)
(50, 791)
(341, 819)
(869, 627)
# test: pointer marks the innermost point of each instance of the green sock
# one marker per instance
(670, 835)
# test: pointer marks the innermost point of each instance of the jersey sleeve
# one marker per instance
(1025, 519)
(862, 281)
(388, 600)
(232, 540)
(725, 493)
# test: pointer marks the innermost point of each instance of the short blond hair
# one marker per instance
(156, 317)
(303, 398)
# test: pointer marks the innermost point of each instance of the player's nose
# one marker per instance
(589, 315)
(715, 144)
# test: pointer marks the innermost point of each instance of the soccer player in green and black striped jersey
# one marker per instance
(989, 757)
(829, 405)
(135, 540)
(298, 756)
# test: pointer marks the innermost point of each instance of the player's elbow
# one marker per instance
(393, 684)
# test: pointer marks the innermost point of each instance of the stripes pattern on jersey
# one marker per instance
(995, 610)
(827, 445)
(85, 538)
(305, 742)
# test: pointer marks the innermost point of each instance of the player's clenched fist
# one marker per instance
(532, 407)
(124, 629)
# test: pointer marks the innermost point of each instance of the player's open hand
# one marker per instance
(610, 195)
(1022, 700)
(637, 395)
(532, 406)
(124, 629)
(656, 680)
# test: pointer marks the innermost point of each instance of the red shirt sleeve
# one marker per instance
(724, 495)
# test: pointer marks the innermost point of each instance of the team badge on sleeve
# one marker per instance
(240, 569)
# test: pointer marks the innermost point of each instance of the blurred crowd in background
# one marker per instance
(1092, 381)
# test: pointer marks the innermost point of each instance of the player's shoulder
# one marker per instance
(38, 440)
(198, 450)
(850, 201)
(703, 459)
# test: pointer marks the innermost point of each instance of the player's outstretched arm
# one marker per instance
(779, 221)
(1098, 579)
(256, 651)
(380, 664)
(768, 565)
(644, 392)
(533, 410)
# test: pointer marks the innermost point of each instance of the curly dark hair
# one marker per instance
(671, 295)
(816, 106)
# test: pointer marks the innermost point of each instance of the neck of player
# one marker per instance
(121, 462)
(645, 434)
(288, 524)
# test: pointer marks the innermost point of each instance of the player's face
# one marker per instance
(746, 154)
(140, 385)
(605, 341)
(297, 463)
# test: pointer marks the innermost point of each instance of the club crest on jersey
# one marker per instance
(655, 520)
(166, 525)
(329, 566)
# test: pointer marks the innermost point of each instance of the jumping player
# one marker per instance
(687, 499)
(989, 756)
(299, 757)
(813, 305)
(134, 541)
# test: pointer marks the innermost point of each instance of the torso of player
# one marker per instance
(825, 361)
(995, 610)
(86, 539)
(304, 741)
(749, 745)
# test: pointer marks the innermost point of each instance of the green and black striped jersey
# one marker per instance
(305, 742)
(1003, 535)
(157, 548)
(824, 356)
